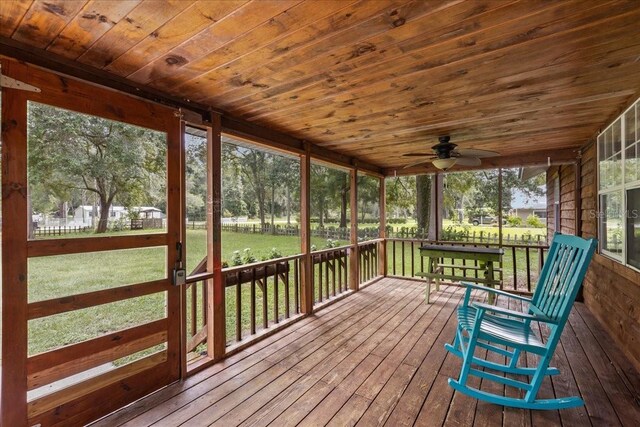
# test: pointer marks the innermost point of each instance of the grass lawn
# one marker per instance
(58, 276)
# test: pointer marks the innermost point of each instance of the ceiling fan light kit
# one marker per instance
(444, 164)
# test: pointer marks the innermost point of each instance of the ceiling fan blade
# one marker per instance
(468, 161)
(472, 152)
(417, 163)
(417, 154)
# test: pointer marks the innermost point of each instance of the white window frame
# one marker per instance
(619, 188)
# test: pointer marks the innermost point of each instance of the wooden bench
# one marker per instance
(485, 257)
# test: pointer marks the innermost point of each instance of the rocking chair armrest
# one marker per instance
(511, 313)
(470, 286)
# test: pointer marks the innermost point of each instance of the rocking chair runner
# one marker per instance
(494, 328)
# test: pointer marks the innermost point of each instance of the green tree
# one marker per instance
(234, 197)
(69, 151)
(368, 195)
(401, 196)
(339, 186)
(196, 176)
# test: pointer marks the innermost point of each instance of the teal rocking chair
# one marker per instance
(509, 333)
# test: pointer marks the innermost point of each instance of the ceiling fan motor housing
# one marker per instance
(444, 148)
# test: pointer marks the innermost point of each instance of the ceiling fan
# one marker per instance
(446, 154)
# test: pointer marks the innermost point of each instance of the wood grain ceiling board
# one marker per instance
(369, 79)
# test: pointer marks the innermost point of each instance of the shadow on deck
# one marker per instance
(377, 358)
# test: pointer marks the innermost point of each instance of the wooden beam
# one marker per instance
(534, 158)
(354, 256)
(382, 246)
(68, 360)
(42, 58)
(216, 319)
(67, 303)
(78, 245)
(13, 401)
(306, 290)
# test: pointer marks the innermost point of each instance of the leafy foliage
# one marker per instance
(514, 221)
(73, 155)
(534, 221)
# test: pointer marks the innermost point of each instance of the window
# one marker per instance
(633, 228)
(619, 188)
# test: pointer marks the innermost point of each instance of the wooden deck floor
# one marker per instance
(376, 358)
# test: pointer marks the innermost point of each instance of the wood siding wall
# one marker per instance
(611, 291)
(567, 175)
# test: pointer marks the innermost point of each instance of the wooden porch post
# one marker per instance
(435, 214)
(500, 207)
(306, 290)
(578, 196)
(354, 256)
(382, 246)
(13, 405)
(216, 328)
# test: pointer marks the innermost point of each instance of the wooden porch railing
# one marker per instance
(519, 270)
(368, 253)
(271, 287)
(266, 294)
(273, 290)
(330, 273)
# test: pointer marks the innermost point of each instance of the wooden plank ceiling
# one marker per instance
(369, 79)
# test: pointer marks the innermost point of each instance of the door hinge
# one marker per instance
(12, 83)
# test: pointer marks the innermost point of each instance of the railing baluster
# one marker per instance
(205, 298)
(339, 260)
(412, 259)
(393, 248)
(194, 309)
(238, 309)
(326, 274)
(320, 278)
(253, 301)
(313, 279)
(285, 276)
(265, 293)
(402, 257)
(515, 268)
(275, 297)
(333, 272)
(528, 268)
(296, 284)
(375, 260)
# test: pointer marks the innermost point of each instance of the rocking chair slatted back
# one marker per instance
(561, 276)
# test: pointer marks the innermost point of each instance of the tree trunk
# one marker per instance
(105, 206)
(273, 209)
(30, 228)
(321, 219)
(288, 206)
(343, 205)
(423, 200)
(261, 209)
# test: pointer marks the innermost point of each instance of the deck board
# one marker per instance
(377, 358)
